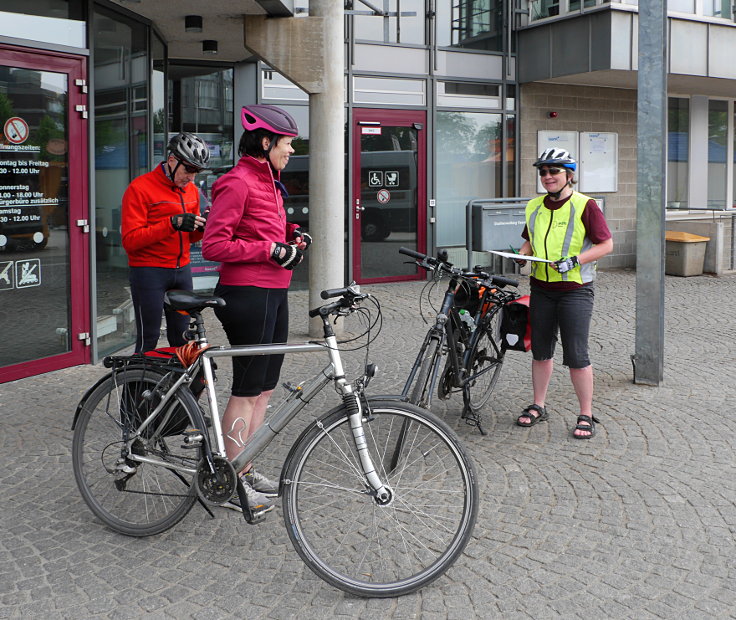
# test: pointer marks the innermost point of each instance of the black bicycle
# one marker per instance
(466, 332)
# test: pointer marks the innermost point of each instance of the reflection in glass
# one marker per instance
(471, 25)
(388, 196)
(470, 160)
(678, 143)
(121, 152)
(34, 242)
(404, 28)
(717, 140)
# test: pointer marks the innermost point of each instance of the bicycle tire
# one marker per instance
(348, 539)
(421, 393)
(484, 363)
(153, 498)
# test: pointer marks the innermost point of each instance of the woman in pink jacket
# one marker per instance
(248, 234)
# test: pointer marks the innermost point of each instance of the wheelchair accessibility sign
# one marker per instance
(28, 273)
(6, 275)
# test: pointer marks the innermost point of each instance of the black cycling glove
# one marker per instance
(306, 238)
(184, 222)
(291, 258)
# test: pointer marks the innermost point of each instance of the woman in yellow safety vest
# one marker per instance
(568, 229)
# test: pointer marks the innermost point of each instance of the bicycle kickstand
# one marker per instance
(472, 419)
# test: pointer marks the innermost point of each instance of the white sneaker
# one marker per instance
(257, 502)
(260, 483)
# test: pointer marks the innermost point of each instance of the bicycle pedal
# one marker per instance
(192, 439)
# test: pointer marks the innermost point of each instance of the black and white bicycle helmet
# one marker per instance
(556, 157)
(190, 149)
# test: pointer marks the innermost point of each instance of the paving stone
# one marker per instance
(637, 523)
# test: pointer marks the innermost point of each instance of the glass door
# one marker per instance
(44, 282)
(388, 206)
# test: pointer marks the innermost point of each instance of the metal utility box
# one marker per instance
(497, 225)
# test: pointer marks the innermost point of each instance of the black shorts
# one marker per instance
(254, 315)
(568, 312)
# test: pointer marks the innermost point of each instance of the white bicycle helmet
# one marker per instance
(556, 157)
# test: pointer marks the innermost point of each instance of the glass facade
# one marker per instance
(34, 205)
(471, 24)
(678, 143)
(122, 66)
(406, 27)
(717, 142)
(60, 22)
(471, 153)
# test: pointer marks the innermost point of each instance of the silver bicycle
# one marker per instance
(379, 496)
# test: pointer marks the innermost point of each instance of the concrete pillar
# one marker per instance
(651, 192)
(327, 161)
(310, 51)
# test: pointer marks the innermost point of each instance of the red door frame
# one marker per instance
(75, 67)
(390, 118)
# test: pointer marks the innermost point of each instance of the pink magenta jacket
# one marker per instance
(246, 217)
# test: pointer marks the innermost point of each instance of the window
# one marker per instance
(121, 152)
(678, 142)
(471, 24)
(400, 21)
(717, 137)
(717, 8)
(472, 151)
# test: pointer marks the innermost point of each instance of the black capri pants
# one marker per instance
(254, 315)
(568, 312)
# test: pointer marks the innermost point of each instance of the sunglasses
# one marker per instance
(189, 169)
(553, 171)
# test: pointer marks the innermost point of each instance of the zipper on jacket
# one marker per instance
(181, 234)
(546, 235)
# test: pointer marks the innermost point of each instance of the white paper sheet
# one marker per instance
(521, 257)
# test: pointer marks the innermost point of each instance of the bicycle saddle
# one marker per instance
(191, 301)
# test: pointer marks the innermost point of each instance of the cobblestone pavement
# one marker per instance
(637, 523)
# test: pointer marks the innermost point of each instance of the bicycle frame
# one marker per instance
(444, 331)
(286, 411)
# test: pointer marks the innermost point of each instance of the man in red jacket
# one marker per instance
(160, 220)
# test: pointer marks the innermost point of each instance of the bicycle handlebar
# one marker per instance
(483, 278)
(348, 296)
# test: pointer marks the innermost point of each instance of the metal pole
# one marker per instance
(326, 162)
(651, 192)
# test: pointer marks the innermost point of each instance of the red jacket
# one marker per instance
(148, 236)
(246, 216)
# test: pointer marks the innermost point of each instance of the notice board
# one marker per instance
(598, 162)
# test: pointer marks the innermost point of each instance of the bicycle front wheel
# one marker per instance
(484, 364)
(345, 535)
(133, 497)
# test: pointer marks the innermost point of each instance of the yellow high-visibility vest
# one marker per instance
(559, 234)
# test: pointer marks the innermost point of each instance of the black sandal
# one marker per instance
(590, 426)
(533, 419)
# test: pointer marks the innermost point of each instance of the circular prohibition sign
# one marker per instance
(16, 130)
(383, 196)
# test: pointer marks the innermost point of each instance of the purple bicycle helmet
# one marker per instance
(270, 118)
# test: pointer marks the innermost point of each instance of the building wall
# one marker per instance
(587, 108)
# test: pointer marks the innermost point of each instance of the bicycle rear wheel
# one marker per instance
(484, 364)
(344, 535)
(131, 497)
(421, 394)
